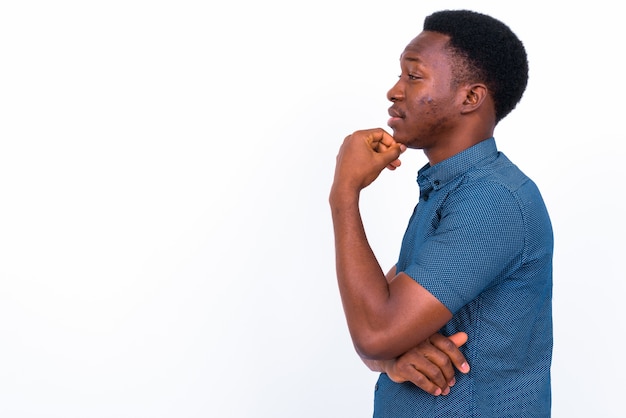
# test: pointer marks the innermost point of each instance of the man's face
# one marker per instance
(425, 105)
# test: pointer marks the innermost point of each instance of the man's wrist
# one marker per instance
(343, 197)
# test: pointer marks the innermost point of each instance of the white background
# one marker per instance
(165, 239)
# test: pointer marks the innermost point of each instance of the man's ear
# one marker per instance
(474, 97)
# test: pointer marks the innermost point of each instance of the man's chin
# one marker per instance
(407, 142)
(399, 138)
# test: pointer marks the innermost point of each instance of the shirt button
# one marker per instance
(436, 182)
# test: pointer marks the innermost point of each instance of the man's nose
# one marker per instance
(395, 93)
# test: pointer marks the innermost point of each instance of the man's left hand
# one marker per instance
(362, 157)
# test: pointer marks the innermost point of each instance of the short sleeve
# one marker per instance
(478, 238)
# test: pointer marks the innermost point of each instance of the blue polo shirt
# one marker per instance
(480, 240)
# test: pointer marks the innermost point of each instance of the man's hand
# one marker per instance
(430, 365)
(362, 156)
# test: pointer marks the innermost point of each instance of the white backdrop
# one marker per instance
(165, 239)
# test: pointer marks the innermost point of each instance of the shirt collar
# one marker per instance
(436, 176)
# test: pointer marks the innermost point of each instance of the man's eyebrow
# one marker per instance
(411, 58)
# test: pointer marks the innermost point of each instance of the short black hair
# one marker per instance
(491, 52)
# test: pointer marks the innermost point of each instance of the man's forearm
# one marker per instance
(362, 283)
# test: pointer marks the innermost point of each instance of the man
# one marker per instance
(476, 258)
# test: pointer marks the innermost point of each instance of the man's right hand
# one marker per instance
(431, 364)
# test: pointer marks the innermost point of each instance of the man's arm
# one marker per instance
(430, 365)
(385, 319)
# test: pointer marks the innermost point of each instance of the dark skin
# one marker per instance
(430, 365)
(393, 320)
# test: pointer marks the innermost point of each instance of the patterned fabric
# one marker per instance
(480, 240)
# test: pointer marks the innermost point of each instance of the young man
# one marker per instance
(476, 259)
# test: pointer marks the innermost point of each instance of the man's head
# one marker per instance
(460, 76)
(486, 51)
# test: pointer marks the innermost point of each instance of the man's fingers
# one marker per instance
(390, 154)
(430, 365)
(377, 136)
(421, 374)
(383, 142)
(449, 345)
(427, 366)
(388, 141)
(394, 164)
(386, 149)
(459, 338)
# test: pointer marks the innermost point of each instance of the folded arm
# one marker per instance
(430, 365)
(386, 318)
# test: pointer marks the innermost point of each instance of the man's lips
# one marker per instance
(396, 116)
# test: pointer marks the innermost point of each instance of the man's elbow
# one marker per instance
(375, 347)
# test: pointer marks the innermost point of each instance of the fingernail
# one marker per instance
(452, 382)
(438, 392)
(465, 367)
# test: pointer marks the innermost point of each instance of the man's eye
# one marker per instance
(411, 76)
